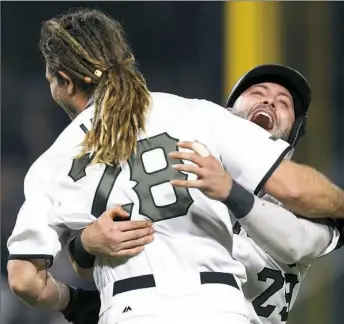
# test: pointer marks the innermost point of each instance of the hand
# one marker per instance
(116, 239)
(212, 180)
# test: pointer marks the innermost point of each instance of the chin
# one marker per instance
(279, 134)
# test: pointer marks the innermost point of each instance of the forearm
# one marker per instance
(54, 296)
(32, 283)
(305, 191)
(277, 231)
(81, 272)
(82, 261)
(282, 235)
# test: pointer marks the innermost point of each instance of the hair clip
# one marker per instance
(98, 73)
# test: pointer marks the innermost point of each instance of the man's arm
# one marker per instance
(277, 231)
(111, 238)
(33, 246)
(300, 188)
(76, 251)
(253, 158)
(305, 191)
(30, 281)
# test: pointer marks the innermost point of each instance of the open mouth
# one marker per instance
(263, 119)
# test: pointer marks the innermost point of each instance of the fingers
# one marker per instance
(198, 184)
(131, 242)
(118, 211)
(189, 168)
(192, 157)
(136, 243)
(199, 151)
(130, 252)
(137, 234)
(133, 225)
(197, 147)
(185, 144)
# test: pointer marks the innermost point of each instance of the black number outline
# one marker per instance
(183, 192)
(278, 283)
(106, 182)
(111, 173)
(292, 280)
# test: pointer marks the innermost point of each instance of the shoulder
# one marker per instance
(191, 102)
(38, 176)
(69, 140)
(64, 147)
(74, 133)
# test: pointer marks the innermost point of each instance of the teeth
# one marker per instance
(255, 118)
(264, 114)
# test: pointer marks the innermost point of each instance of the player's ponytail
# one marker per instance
(91, 48)
(121, 101)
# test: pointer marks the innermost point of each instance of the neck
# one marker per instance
(79, 105)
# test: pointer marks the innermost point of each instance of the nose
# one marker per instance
(269, 102)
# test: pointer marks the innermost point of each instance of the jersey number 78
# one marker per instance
(146, 179)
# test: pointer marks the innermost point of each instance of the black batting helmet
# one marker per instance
(289, 78)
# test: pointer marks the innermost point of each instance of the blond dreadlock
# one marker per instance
(91, 48)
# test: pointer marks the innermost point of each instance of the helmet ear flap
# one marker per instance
(298, 130)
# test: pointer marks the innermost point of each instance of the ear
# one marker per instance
(69, 83)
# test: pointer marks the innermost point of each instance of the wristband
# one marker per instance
(68, 312)
(81, 257)
(240, 201)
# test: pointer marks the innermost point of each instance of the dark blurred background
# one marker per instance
(193, 49)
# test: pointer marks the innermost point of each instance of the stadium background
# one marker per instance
(194, 49)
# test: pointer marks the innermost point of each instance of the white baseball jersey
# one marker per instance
(272, 286)
(193, 233)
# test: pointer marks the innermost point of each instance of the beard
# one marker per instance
(278, 132)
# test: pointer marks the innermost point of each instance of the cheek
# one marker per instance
(244, 104)
(287, 117)
(53, 90)
(56, 92)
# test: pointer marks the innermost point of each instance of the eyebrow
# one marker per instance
(282, 93)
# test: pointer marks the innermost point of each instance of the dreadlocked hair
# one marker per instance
(91, 48)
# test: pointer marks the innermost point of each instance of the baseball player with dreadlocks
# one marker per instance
(276, 247)
(115, 151)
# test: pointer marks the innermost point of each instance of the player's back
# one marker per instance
(193, 233)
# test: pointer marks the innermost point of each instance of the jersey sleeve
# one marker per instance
(248, 152)
(33, 237)
(334, 244)
(336, 228)
(339, 224)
